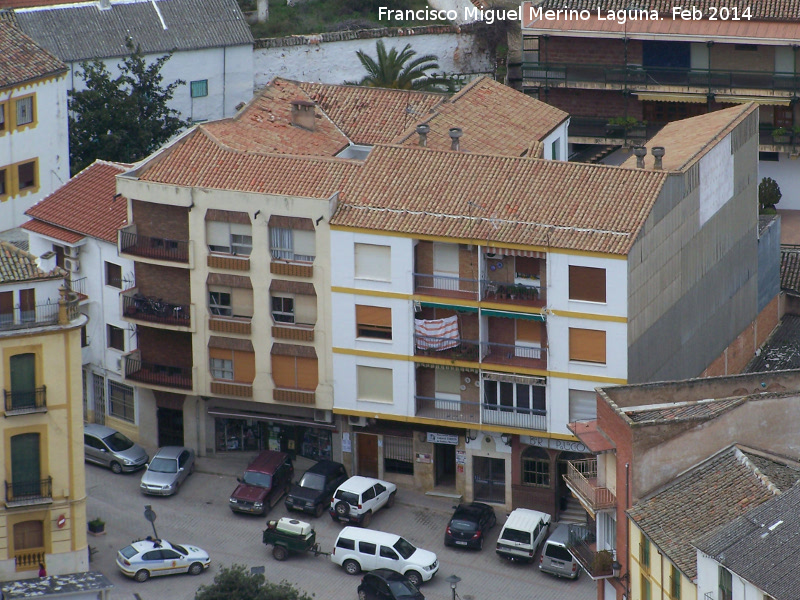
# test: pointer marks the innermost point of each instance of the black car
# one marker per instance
(312, 494)
(469, 524)
(385, 584)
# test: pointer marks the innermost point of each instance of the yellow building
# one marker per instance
(43, 516)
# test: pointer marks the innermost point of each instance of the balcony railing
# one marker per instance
(514, 354)
(581, 543)
(29, 401)
(592, 127)
(511, 416)
(151, 247)
(581, 478)
(155, 310)
(452, 348)
(77, 285)
(445, 285)
(157, 374)
(39, 315)
(517, 293)
(36, 491)
(448, 410)
(29, 559)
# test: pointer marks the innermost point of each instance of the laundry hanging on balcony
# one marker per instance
(436, 334)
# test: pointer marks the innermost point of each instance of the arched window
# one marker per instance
(535, 467)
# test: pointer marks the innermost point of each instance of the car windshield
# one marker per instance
(163, 465)
(402, 589)
(406, 549)
(118, 442)
(460, 525)
(129, 552)
(515, 535)
(180, 549)
(257, 479)
(313, 481)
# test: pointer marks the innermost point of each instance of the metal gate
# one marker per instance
(99, 393)
(489, 479)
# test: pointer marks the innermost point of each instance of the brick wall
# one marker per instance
(161, 221)
(592, 103)
(501, 331)
(725, 56)
(467, 264)
(164, 347)
(167, 283)
(423, 262)
(589, 50)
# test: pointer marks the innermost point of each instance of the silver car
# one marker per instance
(169, 468)
(108, 447)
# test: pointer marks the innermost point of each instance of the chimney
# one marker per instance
(640, 152)
(303, 114)
(423, 130)
(455, 133)
(47, 261)
(104, 4)
(658, 153)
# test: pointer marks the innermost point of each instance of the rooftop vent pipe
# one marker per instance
(455, 134)
(423, 130)
(658, 153)
(640, 152)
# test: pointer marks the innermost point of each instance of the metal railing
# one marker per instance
(77, 285)
(593, 127)
(497, 290)
(493, 352)
(445, 284)
(448, 410)
(156, 374)
(29, 491)
(37, 316)
(580, 474)
(454, 348)
(151, 247)
(511, 416)
(155, 310)
(581, 543)
(28, 401)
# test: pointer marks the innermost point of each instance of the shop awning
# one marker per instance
(756, 99)
(511, 252)
(244, 414)
(513, 315)
(664, 97)
(450, 307)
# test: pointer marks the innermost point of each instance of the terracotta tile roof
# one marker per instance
(713, 493)
(500, 199)
(761, 10)
(687, 140)
(86, 203)
(52, 231)
(693, 410)
(265, 125)
(17, 265)
(22, 59)
(368, 115)
(790, 269)
(781, 350)
(196, 160)
(495, 119)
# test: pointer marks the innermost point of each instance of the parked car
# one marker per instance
(469, 524)
(108, 447)
(385, 584)
(153, 557)
(313, 493)
(266, 479)
(522, 534)
(358, 498)
(167, 471)
(555, 558)
(358, 549)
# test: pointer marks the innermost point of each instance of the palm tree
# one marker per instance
(402, 70)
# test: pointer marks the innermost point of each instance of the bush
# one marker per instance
(769, 194)
(237, 581)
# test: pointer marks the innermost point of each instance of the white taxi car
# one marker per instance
(153, 557)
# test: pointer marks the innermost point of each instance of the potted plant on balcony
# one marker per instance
(796, 134)
(601, 563)
(97, 526)
(626, 126)
(780, 135)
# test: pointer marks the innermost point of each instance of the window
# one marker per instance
(554, 149)
(24, 110)
(374, 384)
(200, 88)
(227, 301)
(27, 305)
(6, 308)
(725, 584)
(3, 182)
(387, 552)
(28, 535)
(346, 544)
(2, 117)
(674, 583)
(114, 275)
(373, 262)
(769, 156)
(508, 396)
(398, 454)
(25, 467)
(231, 365)
(23, 380)
(647, 593)
(292, 244)
(229, 238)
(373, 322)
(587, 283)
(535, 467)
(445, 260)
(219, 303)
(115, 338)
(367, 548)
(282, 309)
(582, 406)
(221, 368)
(26, 175)
(295, 372)
(644, 553)
(84, 340)
(588, 345)
(745, 47)
(120, 401)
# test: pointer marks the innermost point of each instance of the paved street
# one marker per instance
(199, 515)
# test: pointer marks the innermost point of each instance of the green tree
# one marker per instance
(769, 194)
(124, 118)
(402, 70)
(238, 582)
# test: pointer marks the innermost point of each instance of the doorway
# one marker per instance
(367, 449)
(170, 427)
(444, 463)
(489, 479)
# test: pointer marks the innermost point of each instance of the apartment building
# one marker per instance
(624, 76)
(34, 153)
(43, 515)
(480, 299)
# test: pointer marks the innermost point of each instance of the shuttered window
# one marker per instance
(588, 345)
(582, 406)
(373, 322)
(305, 309)
(445, 259)
(373, 262)
(374, 384)
(587, 283)
(295, 372)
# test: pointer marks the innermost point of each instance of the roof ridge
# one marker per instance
(762, 477)
(356, 86)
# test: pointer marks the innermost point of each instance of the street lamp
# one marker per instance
(453, 581)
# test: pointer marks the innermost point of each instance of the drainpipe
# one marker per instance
(627, 529)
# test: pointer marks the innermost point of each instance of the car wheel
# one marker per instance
(195, 569)
(342, 508)
(390, 501)
(366, 519)
(352, 567)
(116, 467)
(318, 510)
(279, 553)
(362, 595)
(141, 576)
(414, 578)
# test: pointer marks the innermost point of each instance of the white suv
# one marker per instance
(358, 497)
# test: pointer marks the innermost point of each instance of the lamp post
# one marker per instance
(453, 581)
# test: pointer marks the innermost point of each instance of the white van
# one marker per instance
(523, 533)
(359, 550)
(555, 558)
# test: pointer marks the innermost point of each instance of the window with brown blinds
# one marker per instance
(295, 372)
(588, 345)
(587, 283)
(529, 331)
(373, 322)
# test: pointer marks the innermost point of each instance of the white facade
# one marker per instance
(708, 571)
(556, 144)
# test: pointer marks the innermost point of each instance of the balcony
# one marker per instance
(516, 355)
(26, 493)
(523, 292)
(446, 286)
(591, 130)
(23, 403)
(164, 376)
(158, 249)
(448, 348)
(78, 286)
(41, 315)
(149, 309)
(581, 479)
(29, 559)
(512, 416)
(448, 410)
(581, 543)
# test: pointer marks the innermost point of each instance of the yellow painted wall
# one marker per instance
(658, 572)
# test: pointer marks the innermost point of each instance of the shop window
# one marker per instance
(374, 384)
(373, 322)
(535, 467)
(587, 283)
(587, 345)
(114, 275)
(199, 88)
(115, 338)
(292, 244)
(398, 455)
(24, 110)
(26, 175)
(120, 401)
(373, 262)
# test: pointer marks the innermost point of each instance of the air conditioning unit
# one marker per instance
(73, 265)
(119, 364)
(357, 421)
(323, 416)
(71, 251)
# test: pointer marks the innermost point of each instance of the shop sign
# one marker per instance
(443, 438)
(424, 458)
(461, 457)
(346, 447)
(568, 445)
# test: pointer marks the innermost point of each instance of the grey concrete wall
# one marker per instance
(769, 262)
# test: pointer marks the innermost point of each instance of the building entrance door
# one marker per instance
(170, 427)
(444, 462)
(367, 448)
(489, 479)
